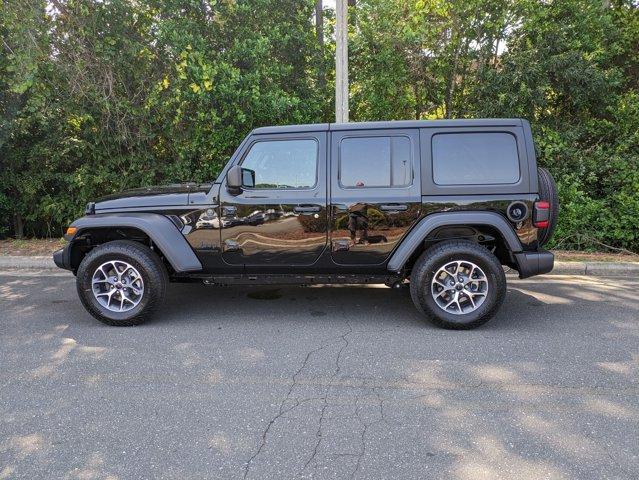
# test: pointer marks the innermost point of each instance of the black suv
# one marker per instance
(441, 204)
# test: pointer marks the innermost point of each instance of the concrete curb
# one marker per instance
(604, 269)
(27, 262)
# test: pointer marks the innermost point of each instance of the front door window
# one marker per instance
(283, 164)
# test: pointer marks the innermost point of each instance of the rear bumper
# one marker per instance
(534, 263)
(62, 258)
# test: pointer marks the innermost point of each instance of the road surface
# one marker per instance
(324, 383)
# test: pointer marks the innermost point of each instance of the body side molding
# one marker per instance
(436, 220)
(160, 230)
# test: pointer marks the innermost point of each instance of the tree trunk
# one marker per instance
(450, 86)
(418, 101)
(319, 31)
(19, 226)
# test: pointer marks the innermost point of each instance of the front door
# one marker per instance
(375, 193)
(282, 220)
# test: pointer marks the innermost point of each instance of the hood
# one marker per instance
(159, 196)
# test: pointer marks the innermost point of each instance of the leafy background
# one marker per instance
(100, 95)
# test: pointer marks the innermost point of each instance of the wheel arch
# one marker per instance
(426, 230)
(159, 231)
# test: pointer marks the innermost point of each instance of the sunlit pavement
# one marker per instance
(334, 382)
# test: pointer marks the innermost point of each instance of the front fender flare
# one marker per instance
(159, 229)
(437, 220)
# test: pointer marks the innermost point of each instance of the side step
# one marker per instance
(291, 279)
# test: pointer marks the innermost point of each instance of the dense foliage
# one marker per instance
(101, 95)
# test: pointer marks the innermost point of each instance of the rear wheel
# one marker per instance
(121, 283)
(548, 193)
(458, 284)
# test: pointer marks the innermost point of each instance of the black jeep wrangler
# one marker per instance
(441, 204)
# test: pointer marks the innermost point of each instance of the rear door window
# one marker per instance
(380, 161)
(482, 158)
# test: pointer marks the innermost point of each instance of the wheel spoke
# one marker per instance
(459, 308)
(469, 297)
(472, 270)
(450, 303)
(119, 272)
(126, 297)
(442, 293)
(106, 274)
(441, 284)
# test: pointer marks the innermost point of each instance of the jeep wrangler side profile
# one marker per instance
(442, 204)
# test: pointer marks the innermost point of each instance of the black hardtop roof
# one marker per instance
(321, 127)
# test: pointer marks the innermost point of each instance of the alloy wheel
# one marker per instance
(459, 287)
(117, 286)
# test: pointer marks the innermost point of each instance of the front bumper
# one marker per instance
(62, 258)
(534, 263)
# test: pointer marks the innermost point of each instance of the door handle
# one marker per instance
(399, 207)
(307, 209)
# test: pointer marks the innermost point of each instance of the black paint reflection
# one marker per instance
(263, 234)
(363, 233)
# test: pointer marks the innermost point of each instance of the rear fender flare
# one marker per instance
(436, 220)
(158, 228)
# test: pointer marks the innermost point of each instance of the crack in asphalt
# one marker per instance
(381, 419)
(282, 410)
(318, 434)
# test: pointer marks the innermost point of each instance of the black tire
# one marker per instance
(439, 255)
(548, 193)
(142, 258)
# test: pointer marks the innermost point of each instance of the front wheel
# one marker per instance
(458, 284)
(121, 283)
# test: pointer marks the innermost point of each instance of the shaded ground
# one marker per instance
(334, 382)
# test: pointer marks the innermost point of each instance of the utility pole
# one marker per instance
(341, 61)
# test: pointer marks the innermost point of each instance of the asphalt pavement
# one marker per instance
(322, 382)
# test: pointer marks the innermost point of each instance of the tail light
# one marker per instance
(541, 214)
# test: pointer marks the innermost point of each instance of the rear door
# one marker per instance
(375, 193)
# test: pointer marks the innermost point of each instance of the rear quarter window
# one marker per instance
(481, 158)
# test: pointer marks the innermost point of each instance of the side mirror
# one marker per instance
(238, 177)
